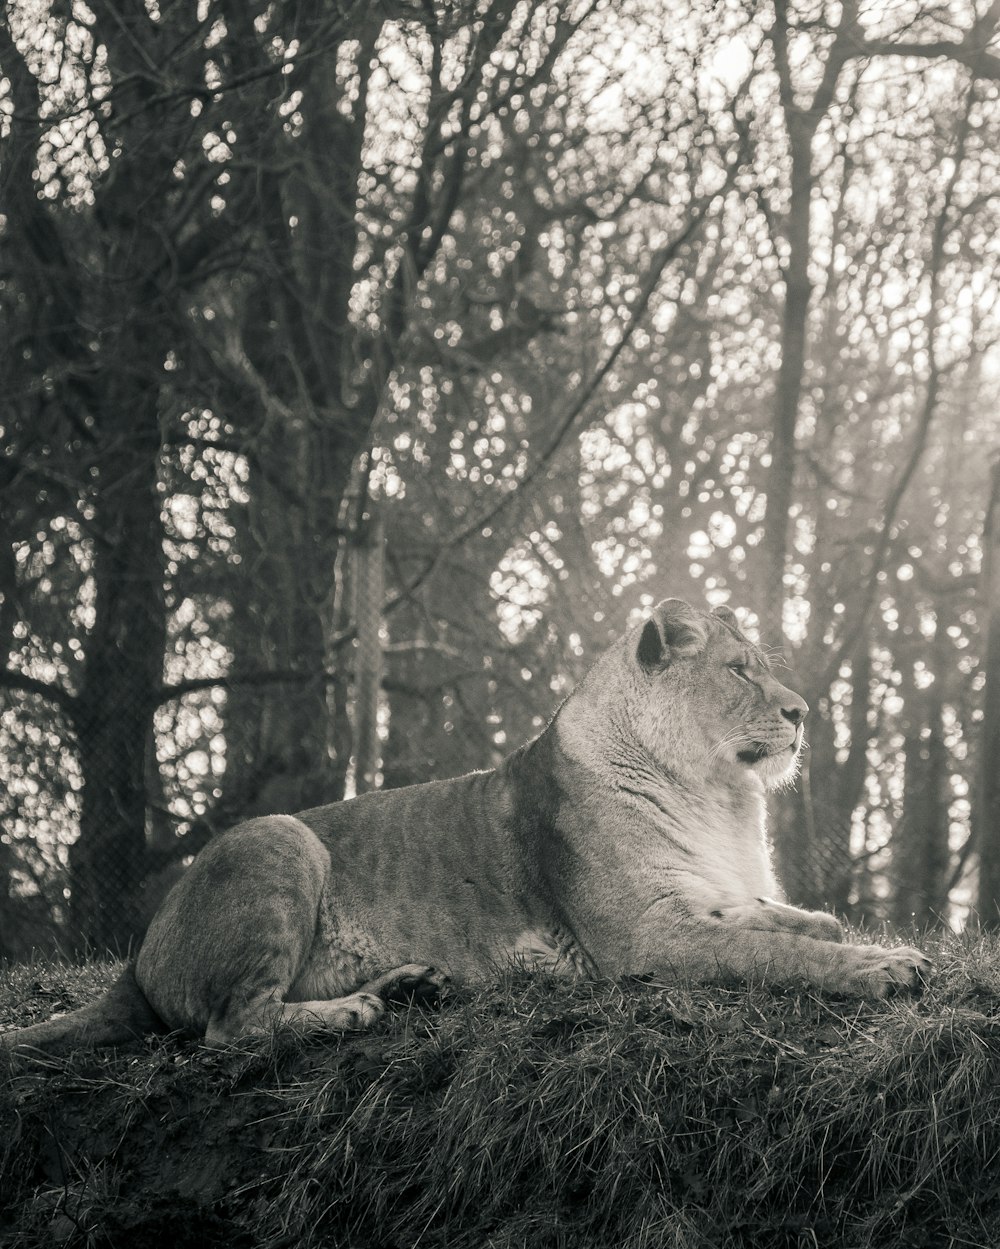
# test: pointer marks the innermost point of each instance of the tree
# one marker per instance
(152, 162)
(823, 93)
(100, 278)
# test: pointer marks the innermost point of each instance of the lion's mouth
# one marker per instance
(761, 750)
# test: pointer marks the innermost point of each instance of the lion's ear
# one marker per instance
(651, 649)
(673, 630)
(727, 616)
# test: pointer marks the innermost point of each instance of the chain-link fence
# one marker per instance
(865, 867)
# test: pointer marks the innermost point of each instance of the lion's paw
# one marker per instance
(410, 980)
(886, 970)
(822, 925)
(358, 1011)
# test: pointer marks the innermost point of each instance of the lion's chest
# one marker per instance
(716, 853)
(678, 852)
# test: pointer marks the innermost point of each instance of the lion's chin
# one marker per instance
(780, 769)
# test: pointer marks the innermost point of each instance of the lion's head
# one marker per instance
(720, 686)
(697, 697)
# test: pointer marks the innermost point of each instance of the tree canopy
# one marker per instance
(369, 366)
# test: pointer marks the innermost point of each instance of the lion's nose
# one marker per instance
(795, 709)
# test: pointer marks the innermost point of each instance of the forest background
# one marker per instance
(368, 366)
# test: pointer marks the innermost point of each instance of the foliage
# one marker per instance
(532, 1113)
(579, 306)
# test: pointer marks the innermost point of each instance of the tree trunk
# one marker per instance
(801, 123)
(369, 593)
(278, 732)
(832, 791)
(122, 678)
(299, 340)
(794, 318)
(920, 853)
(986, 806)
(129, 308)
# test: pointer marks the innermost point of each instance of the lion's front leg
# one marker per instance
(743, 942)
(765, 914)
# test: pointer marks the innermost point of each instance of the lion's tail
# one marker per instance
(122, 1014)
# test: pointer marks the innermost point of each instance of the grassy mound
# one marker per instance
(537, 1113)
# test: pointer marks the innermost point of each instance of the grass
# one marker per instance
(536, 1113)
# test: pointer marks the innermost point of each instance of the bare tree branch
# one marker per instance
(918, 445)
(10, 680)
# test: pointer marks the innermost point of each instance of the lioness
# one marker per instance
(628, 838)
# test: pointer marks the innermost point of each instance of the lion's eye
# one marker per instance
(739, 670)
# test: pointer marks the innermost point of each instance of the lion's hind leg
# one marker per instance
(352, 1013)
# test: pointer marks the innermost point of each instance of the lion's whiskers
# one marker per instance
(733, 737)
(774, 656)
